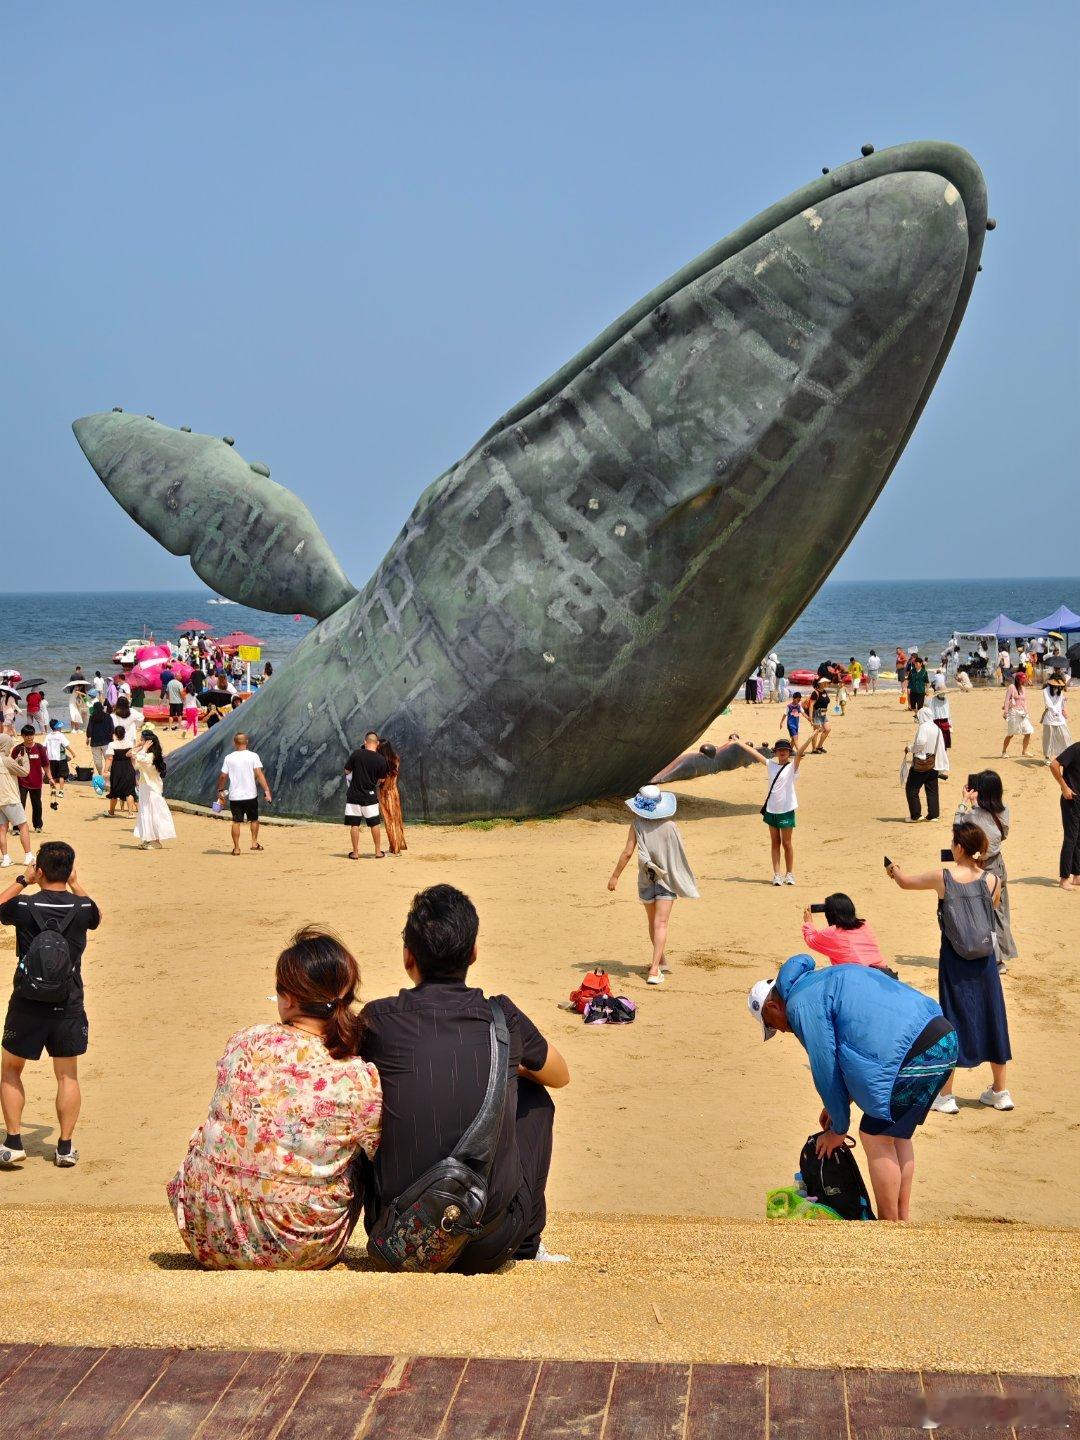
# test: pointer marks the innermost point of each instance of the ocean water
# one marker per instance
(48, 634)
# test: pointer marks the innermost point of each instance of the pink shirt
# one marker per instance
(844, 947)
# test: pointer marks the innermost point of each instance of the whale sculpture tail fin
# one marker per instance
(248, 538)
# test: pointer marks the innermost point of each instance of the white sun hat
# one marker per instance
(652, 803)
(755, 1002)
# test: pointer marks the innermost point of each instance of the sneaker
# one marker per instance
(5, 862)
(545, 1255)
(778, 879)
(1002, 968)
(945, 1105)
(998, 1099)
(11, 1157)
(789, 879)
(29, 858)
(65, 1162)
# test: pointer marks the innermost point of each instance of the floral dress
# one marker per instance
(265, 1184)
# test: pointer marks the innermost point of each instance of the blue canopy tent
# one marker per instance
(1002, 628)
(1063, 620)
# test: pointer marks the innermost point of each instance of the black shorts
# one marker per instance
(31, 1027)
(244, 810)
(60, 769)
(176, 711)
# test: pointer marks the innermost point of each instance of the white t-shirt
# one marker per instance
(240, 769)
(873, 665)
(783, 797)
(55, 746)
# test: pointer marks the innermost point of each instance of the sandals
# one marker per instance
(258, 847)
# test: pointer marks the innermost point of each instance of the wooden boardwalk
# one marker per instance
(84, 1393)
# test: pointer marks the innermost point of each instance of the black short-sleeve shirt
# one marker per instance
(1069, 760)
(368, 767)
(53, 904)
(432, 1048)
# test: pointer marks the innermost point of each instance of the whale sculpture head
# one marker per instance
(573, 602)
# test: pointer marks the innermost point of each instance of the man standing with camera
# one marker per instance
(46, 1010)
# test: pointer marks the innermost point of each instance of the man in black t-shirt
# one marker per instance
(363, 771)
(1066, 771)
(431, 1046)
(32, 1026)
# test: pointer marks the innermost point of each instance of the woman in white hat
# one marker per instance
(664, 872)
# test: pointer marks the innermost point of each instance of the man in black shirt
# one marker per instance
(363, 770)
(431, 1046)
(31, 1025)
(1066, 771)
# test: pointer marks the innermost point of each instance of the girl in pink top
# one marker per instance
(846, 940)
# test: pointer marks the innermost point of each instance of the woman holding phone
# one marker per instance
(969, 989)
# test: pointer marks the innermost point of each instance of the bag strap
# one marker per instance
(776, 777)
(479, 1141)
(52, 922)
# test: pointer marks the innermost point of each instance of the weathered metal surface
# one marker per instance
(575, 600)
(247, 536)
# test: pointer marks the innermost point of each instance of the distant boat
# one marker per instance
(219, 601)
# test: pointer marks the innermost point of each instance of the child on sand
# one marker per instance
(781, 802)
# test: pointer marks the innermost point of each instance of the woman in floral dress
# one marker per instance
(266, 1182)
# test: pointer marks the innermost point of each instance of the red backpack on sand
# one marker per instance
(592, 986)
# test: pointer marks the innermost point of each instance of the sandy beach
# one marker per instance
(186, 951)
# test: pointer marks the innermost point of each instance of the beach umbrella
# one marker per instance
(1002, 628)
(8, 690)
(238, 638)
(31, 684)
(192, 625)
(1063, 619)
(76, 685)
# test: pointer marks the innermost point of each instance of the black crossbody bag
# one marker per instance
(431, 1222)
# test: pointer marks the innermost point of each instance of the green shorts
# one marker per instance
(782, 820)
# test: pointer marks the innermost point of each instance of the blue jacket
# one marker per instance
(856, 1025)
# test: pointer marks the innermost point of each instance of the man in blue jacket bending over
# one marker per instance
(870, 1039)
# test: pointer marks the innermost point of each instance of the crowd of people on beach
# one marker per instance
(336, 1112)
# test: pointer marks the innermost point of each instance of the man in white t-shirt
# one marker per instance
(242, 774)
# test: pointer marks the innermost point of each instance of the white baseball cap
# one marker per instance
(756, 1000)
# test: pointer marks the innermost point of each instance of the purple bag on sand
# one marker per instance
(610, 1010)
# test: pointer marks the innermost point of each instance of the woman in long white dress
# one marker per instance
(153, 823)
(1055, 719)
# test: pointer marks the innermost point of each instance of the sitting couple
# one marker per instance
(331, 1110)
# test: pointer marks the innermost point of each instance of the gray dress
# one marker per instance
(662, 859)
(994, 864)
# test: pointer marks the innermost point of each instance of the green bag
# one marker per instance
(787, 1203)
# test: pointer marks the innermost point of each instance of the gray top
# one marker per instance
(660, 848)
(987, 824)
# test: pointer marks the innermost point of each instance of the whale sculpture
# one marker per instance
(576, 599)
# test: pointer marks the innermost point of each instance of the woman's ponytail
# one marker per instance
(321, 975)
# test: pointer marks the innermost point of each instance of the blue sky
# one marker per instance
(351, 236)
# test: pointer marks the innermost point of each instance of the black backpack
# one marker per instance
(780, 671)
(429, 1224)
(836, 1181)
(45, 972)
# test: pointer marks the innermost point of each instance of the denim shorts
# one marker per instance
(650, 889)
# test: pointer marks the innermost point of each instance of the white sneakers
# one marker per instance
(544, 1255)
(999, 1099)
(8, 1156)
(5, 862)
(789, 879)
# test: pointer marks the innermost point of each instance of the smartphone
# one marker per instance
(972, 782)
(946, 854)
(888, 863)
(817, 909)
